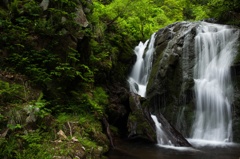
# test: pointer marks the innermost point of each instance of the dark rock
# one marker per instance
(171, 76)
(139, 121)
(118, 110)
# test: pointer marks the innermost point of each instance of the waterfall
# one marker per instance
(214, 51)
(138, 80)
(162, 138)
(139, 75)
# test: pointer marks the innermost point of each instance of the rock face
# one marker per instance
(171, 80)
(170, 90)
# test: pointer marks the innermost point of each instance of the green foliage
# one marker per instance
(173, 10)
(100, 96)
(91, 129)
(39, 109)
(198, 10)
(132, 17)
(62, 118)
(11, 93)
(86, 129)
(34, 145)
(13, 127)
(8, 147)
(94, 102)
(87, 143)
(40, 45)
(195, 10)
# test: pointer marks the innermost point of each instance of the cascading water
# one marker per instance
(138, 78)
(215, 51)
(162, 138)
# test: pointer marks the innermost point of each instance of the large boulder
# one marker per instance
(170, 87)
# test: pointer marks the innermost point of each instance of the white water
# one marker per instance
(162, 138)
(139, 75)
(215, 51)
(198, 143)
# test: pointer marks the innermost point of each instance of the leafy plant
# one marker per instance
(35, 146)
(11, 93)
(9, 147)
(13, 127)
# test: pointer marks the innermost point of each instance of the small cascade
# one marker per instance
(162, 138)
(139, 75)
(215, 51)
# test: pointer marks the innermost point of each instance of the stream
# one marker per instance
(127, 149)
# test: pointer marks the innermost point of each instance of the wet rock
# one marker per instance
(169, 82)
(138, 123)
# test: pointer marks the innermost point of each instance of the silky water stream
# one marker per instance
(214, 49)
(211, 134)
(139, 75)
